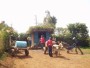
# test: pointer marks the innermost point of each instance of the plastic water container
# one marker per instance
(21, 44)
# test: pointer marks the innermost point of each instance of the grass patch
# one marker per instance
(3, 56)
(85, 47)
(86, 50)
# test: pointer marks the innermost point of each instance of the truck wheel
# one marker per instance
(26, 52)
(13, 53)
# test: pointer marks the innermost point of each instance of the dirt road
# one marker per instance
(37, 59)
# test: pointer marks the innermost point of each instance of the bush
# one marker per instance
(1, 43)
(4, 41)
(89, 41)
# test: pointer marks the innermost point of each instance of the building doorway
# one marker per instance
(41, 33)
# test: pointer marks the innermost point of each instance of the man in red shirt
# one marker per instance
(50, 44)
(42, 41)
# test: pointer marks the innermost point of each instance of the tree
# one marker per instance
(49, 19)
(63, 34)
(8, 34)
(79, 30)
(3, 25)
(54, 20)
(22, 36)
(62, 31)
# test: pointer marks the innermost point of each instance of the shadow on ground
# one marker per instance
(63, 57)
(23, 56)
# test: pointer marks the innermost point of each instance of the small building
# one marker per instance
(36, 34)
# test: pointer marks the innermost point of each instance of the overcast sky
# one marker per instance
(21, 13)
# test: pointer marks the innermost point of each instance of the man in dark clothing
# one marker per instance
(50, 44)
(77, 42)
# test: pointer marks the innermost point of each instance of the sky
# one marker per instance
(21, 13)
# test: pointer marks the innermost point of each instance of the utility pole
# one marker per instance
(36, 19)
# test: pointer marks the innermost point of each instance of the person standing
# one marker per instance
(42, 41)
(45, 48)
(77, 42)
(50, 44)
(60, 44)
(29, 41)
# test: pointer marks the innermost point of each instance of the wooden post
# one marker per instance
(32, 40)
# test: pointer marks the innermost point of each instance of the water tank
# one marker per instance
(21, 44)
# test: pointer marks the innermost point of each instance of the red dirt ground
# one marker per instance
(37, 59)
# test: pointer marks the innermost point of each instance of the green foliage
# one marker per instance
(6, 37)
(62, 31)
(63, 34)
(3, 55)
(54, 20)
(45, 27)
(86, 50)
(22, 37)
(3, 25)
(5, 33)
(4, 41)
(88, 41)
(50, 19)
(79, 30)
(1, 43)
